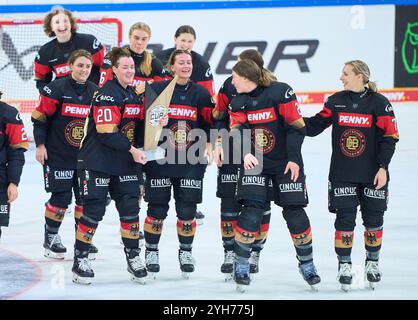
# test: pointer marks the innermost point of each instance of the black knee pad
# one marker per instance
(127, 205)
(372, 218)
(186, 210)
(345, 219)
(94, 208)
(230, 205)
(61, 199)
(157, 210)
(296, 219)
(250, 218)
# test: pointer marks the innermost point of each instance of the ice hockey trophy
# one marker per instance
(156, 109)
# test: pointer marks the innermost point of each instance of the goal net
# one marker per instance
(20, 41)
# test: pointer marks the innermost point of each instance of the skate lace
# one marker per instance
(229, 257)
(186, 257)
(151, 257)
(254, 258)
(136, 263)
(308, 270)
(345, 270)
(84, 264)
(54, 239)
(372, 268)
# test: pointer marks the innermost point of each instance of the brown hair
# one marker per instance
(254, 55)
(146, 63)
(47, 21)
(79, 53)
(116, 54)
(174, 54)
(360, 67)
(185, 29)
(250, 70)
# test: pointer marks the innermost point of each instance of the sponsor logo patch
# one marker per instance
(260, 116)
(354, 120)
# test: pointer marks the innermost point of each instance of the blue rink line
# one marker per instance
(17, 274)
(198, 5)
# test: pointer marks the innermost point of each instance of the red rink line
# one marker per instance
(37, 277)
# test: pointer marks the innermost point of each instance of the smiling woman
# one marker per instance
(52, 58)
(58, 123)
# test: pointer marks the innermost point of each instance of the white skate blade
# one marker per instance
(345, 287)
(185, 275)
(228, 277)
(313, 287)
(372, 286)
(152, 275)
(138, 280)
(81, 280)
(54, 255)
(241, 288)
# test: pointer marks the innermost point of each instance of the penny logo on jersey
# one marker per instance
(263, 139)
(74, 132)
(352, 143)
(354, 120)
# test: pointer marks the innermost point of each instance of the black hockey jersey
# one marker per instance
(364, 134)
(157, 71)
(201, 74)
(220, 114)
(53, 56)
(113, 122)
(13, 143)
(58, 120)
(190, 108)
(277, 128)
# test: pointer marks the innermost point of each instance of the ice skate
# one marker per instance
(82, 271)
(93, 252)
(53, 246)
(344, 276)
(136, 266)
(152, 263)
(187, 263)
(242, 273)
(309, 274)
(254, 259)
(199, 217)
(227, 266)
(372, 273)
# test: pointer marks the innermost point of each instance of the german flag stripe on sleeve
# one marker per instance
(388, 125)
(17, 136)
(41, 70)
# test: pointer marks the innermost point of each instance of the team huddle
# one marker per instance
(89, 133)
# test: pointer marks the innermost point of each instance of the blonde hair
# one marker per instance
(146, 63)
(360, 67)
